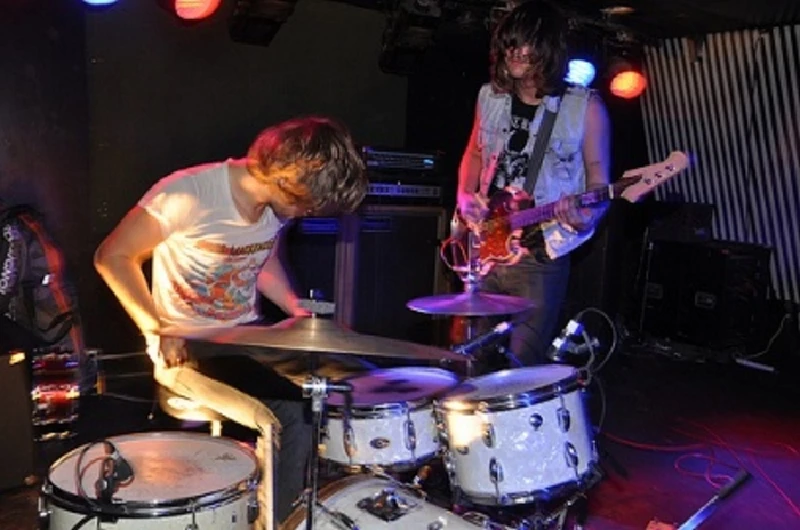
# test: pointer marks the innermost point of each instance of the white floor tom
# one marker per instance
(391, 422)
(180, 480)
(517, 436)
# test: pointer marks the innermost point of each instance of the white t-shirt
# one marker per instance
(205, 270)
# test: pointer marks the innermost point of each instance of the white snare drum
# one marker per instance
(368, 503)
(180, 480)
(391, 423)
(517, 436)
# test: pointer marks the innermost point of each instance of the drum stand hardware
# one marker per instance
(317, 389)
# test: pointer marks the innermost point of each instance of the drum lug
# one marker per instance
(44, 514)
(450, 468)
(252, 510)
(193, 524)
(488, 435)
(495, 471)
(349, 440)
(536, 421)
(563, 419)
(411, 435)
(571, 455)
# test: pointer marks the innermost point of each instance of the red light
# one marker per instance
(195, 9)
(628, 84)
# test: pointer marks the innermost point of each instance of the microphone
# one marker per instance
(122, 468)
(561, 344)
(118, 471)
(498, 331)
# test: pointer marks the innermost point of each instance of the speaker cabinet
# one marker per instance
(370, 265)
(16, 443)
(706, 294)
(397, 260)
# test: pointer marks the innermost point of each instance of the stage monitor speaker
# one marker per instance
(705, 294)
(16, 443)
(396, 260)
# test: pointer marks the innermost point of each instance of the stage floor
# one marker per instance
(672, 431)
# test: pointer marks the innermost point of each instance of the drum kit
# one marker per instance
(513, 438)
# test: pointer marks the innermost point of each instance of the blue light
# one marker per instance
(99, 2)
(580, 72)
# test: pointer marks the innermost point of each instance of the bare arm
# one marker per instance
(469, 170)
(596, 159)
(274, 284)
(471, 206)
(597, 144)
(119, 260)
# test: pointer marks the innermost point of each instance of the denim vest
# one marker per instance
(562, 171)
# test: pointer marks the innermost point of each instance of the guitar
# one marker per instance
(495, 239)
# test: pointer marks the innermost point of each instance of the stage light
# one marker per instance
(628, 84)
(626, 78)
(195, 9)
(580, 72)
(99, 3)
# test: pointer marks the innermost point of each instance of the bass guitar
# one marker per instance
(495, 239)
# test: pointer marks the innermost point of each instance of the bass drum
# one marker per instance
(180, 480)
(362, 502)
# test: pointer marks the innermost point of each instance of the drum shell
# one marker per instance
(232, 506)
(395, 437)
(518, 448)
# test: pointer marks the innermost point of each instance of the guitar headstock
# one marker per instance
(636, 183)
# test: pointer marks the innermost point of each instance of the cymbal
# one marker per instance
(315, 335)
(470, 304)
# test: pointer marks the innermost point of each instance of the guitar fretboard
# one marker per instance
(546, 212)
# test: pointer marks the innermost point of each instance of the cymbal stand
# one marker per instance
(317, 389)
(471, 278)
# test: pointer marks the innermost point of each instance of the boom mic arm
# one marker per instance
(498, 331)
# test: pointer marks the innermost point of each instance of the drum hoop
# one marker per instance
(508, 402)
(145, 509)
(327, 491)
(379, 411)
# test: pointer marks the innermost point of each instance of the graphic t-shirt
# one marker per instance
(512, 165)
(204, 272)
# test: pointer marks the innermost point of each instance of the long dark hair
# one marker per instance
(541, 26)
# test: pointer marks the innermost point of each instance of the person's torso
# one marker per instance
(508, 132)
(205, 273)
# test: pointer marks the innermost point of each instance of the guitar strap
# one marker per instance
(539, 148)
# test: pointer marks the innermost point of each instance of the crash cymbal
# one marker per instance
(471, 304)
(315, 335)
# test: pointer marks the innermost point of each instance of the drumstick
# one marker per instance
(239, 407)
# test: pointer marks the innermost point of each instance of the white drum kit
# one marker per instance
(517, 437)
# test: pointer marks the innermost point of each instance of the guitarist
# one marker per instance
(528, 64)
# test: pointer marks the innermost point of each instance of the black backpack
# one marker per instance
(38, 302)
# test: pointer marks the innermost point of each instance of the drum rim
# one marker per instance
(156, 508)
(409, 405)
(511, 401)
(380, 411)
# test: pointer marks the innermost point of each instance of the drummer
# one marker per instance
(213, 233)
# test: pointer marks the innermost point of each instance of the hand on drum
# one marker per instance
(166, 352)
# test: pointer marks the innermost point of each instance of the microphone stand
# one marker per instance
(317, 389)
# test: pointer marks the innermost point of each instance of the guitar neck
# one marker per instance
(546, 212)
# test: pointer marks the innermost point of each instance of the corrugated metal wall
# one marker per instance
(733, 100)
